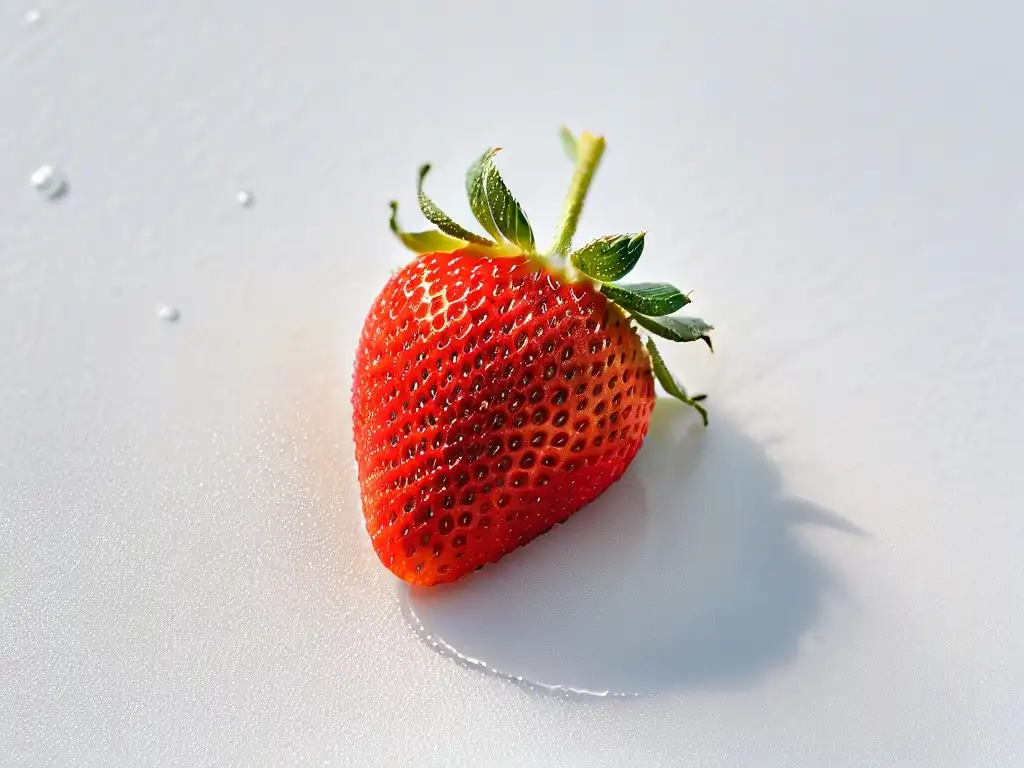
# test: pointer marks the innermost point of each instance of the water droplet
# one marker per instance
(470, 662)
(245, 198)
(169, 314)
(33, 17)
(49, 183)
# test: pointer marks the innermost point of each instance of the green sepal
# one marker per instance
(677, 328)
(431, 241)
(569, 143)
(493, 205)
(440, 219)
(610, 257)
(669, 382)
(651, 299)
(478, 198)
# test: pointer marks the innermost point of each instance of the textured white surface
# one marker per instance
(830, 575)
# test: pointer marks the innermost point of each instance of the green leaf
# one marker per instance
(677, 328)
(652, 299)
(669, 382)
(610, 257)
(569, 144)
(431, 241)
(493, 205)
(477, 196)
(442, 220)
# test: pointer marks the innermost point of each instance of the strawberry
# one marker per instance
(498, 390)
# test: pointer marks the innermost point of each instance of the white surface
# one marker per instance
(830, 575)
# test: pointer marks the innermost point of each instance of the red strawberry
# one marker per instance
(496, 390)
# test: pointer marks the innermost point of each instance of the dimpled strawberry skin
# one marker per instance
(491, 400)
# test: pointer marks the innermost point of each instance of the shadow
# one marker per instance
(685, 573)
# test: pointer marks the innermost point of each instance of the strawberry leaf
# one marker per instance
(669, 382)
(677, 328)
(431, 241)
(610, 257)
(652, 299)
(477, 196)
(569, 144)
(442, 220)
(493, 205)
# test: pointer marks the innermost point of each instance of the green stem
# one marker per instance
(589, 151)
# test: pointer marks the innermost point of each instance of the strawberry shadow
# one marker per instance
(685, 573)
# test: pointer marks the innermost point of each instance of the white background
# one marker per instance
(829, 575)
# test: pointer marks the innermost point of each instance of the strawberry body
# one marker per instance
(491, 400)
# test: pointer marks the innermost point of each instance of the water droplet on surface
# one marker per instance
(169, 314)
(245, 198)
(469, 662)
(49, 183)
(33, 17)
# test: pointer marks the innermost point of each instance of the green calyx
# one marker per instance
(603, 261)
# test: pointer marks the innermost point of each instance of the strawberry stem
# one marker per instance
(588, 156)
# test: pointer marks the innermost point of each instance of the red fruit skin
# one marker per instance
(491, 400)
